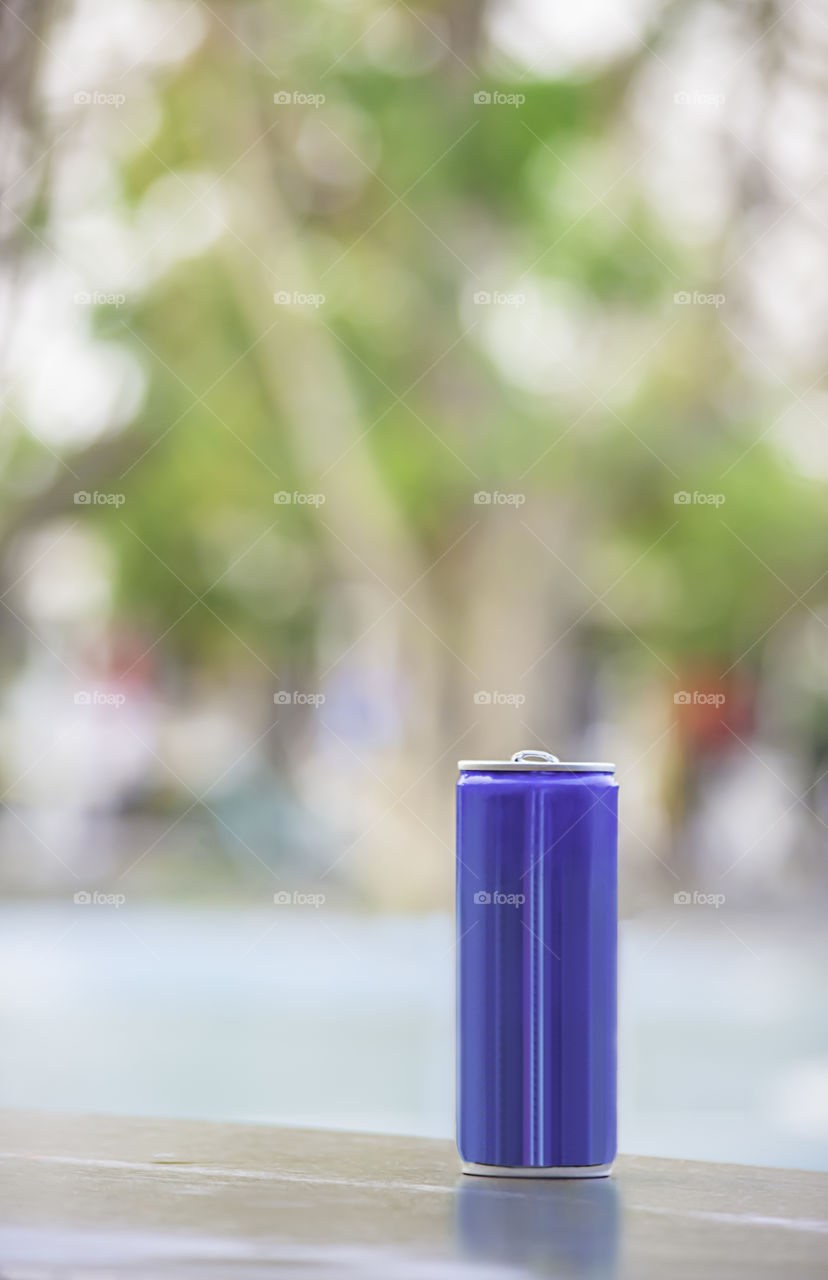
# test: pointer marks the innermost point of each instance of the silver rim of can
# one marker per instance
(534, 762)
(536, 1171)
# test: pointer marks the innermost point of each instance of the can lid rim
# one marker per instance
(535, 766)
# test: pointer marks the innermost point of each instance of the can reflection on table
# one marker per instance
(537, 904)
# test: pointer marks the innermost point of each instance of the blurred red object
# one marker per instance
(712, 711)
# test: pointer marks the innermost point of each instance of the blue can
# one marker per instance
(537, 910)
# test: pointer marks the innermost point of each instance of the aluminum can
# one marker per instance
(537, 910)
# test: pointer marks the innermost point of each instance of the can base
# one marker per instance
(537, 1171)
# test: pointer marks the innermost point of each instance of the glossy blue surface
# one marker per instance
(537, 907)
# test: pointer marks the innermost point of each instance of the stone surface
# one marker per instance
(97, 1196)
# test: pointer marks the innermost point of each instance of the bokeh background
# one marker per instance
(383, 384)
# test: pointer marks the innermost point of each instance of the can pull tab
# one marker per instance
(534, 757)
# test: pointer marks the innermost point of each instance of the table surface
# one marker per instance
(98, 1196)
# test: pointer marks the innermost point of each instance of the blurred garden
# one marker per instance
(386, 259)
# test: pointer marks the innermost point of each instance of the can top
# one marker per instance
(534, 762)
